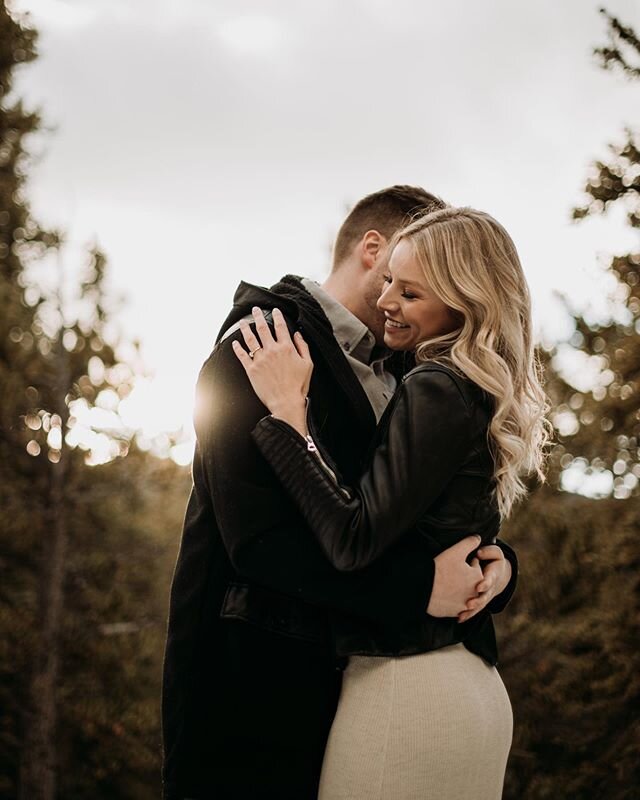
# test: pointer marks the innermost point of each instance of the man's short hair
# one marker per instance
(385, 211)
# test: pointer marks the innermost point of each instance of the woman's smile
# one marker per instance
(413, 312)
(393, 324)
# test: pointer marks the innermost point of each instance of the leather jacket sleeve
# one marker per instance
(430, 434)
(262, 529)
(428, 438)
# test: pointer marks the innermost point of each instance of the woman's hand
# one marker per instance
(496, 576)
(279, 368)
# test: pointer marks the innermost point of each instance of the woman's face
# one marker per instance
(413, 312)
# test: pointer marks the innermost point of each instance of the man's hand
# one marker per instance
(496, 576)
(455, 581)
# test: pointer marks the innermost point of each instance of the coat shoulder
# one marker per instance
(451, 384)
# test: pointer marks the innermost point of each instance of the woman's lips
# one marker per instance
(392, 325)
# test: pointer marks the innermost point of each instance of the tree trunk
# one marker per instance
(38, 767)
(38, 764)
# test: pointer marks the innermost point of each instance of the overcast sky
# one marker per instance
(203, 142)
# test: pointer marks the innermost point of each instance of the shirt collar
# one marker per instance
(352, 334)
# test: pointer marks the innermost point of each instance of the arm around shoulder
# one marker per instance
(414, 459)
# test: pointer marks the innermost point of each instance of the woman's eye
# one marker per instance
(408, 296)
(387, 278)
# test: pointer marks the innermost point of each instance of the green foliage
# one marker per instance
(603, 422)
(126, 525)
(119, 522)
(569, 639)
(623, 50)
(569, 650)
(616, 181)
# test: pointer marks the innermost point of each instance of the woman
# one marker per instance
(423, 712)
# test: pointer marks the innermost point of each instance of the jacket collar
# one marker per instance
(248, 295)
(304, 313)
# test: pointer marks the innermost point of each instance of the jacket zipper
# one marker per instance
(312, 448)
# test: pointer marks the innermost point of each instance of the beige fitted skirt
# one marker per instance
(434, 726)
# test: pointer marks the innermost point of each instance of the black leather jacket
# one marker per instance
(430, 473)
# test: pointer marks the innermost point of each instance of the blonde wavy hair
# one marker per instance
(470, 262)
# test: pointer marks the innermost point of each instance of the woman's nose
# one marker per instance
(385, 300)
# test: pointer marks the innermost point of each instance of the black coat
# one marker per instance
(430, 477)
(250, 683)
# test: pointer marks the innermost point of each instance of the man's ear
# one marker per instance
(372, 245)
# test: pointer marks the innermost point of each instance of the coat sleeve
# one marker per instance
(500, 601)
(265, 536)
(428, 437)
(426, 442)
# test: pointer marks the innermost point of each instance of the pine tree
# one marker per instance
(570, 656)
(603, 424)
(22, 366)
(88, 549)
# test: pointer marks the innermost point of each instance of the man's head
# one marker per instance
(360, 251)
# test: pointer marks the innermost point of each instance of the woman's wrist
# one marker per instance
(294, 413)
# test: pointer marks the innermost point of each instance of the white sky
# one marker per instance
(206, 142)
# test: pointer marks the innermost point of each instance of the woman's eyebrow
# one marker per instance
(400, 279)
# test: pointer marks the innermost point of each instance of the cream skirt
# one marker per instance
(435, 726)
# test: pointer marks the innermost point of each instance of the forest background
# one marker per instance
(91, 508)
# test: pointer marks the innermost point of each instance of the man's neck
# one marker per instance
(341, 292)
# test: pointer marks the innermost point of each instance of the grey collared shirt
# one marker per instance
(357, 343)
(359, 346)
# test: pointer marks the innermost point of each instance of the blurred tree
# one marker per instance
(21, 373)
(603, 423)
(570, 653)
(623, 50)
(88, 550)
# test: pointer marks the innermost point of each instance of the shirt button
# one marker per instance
(347, 346)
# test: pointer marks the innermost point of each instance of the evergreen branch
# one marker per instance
(621, 38)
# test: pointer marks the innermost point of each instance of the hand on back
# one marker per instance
(278, 367)
(462, 590)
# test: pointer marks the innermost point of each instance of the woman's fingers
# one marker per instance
(242, 354)
(301, 346)
(280, 326)
(249, 337)
(266, 342)
(262, 328)
(488, 581)
(485, 585)
(490, 552)
(493, 554)
(474, 605)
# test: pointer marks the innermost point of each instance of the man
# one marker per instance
(251, 681)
